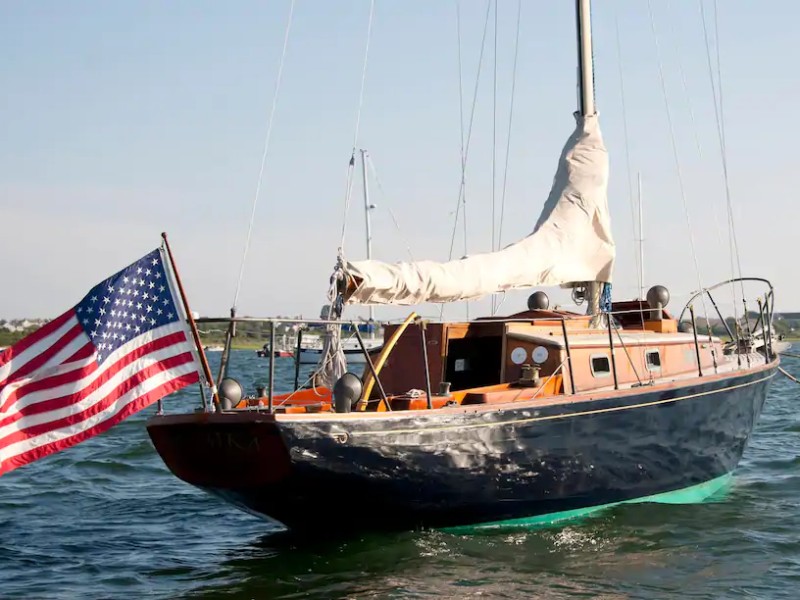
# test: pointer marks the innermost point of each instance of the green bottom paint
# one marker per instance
(690, 495)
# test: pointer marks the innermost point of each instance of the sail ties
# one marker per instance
(333, 364)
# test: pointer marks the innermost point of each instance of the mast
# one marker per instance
(585, 63)
(586, 107)
(367, 207)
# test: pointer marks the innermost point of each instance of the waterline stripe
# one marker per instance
(689, 495)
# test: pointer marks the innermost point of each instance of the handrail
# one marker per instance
(705, 290)
(372, 375)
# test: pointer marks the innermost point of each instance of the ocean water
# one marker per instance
(105, 519)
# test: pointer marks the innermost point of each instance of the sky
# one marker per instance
(120, 120)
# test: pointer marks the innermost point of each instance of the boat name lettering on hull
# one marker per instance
(238, 441)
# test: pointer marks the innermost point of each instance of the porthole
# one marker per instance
(652, 360)
(601, 366)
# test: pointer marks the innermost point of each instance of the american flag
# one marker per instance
(121, 348)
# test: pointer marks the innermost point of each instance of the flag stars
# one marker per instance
(102, 311)
(155, 262)
(106, 299)
(161, 288)
(93, 299)
(139, 270)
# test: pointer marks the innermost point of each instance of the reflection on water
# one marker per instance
(106, 519)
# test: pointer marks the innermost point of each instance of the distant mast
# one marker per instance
(367, 207)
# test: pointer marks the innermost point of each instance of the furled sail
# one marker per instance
(571, 242)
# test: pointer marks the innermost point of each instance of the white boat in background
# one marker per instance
(215, 348)
(312, 352)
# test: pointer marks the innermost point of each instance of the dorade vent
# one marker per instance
(601, 366)
(653, 360)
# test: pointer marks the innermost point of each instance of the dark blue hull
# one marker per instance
(450, 468)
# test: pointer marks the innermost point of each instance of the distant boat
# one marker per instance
(278, 353)
(214, 348)
(311, 353)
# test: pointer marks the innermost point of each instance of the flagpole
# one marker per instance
(192, 324)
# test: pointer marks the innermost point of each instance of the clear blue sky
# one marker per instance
(123, 119)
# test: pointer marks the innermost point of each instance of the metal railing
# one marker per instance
(766, 310)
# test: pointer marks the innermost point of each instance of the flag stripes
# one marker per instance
(121, 348)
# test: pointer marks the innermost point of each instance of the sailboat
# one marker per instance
(500, 421)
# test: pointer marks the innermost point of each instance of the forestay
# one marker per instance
(571, 242)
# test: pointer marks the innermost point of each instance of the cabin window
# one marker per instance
(653, 360)
(601, 367)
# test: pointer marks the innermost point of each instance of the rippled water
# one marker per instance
(106, 519)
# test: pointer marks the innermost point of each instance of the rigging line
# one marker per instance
(637, 258)
(626, 138)
(264, 154)
(494, 143)
(462, 192)
(389, 208)
(674, 146)
(350, 167)
(695, 130)
(717, 96)
(693, 121)
(461, 132)
(494, 127)
(721, 142)
(510, 119)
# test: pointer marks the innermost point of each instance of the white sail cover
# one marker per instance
(571, 242)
